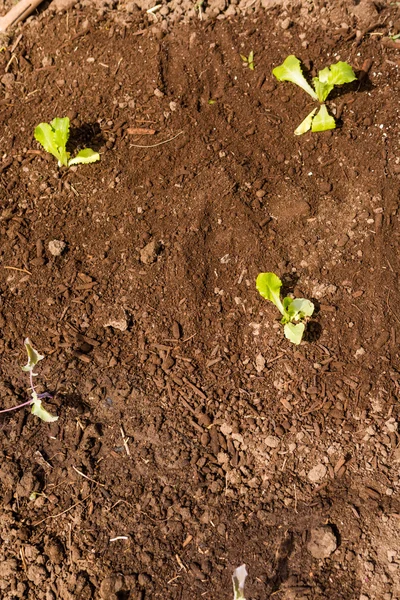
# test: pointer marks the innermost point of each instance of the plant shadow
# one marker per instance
(88, 135)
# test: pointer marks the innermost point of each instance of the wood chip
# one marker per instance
(339, 464)
(140, 131)
(195, 389)
(187, 541)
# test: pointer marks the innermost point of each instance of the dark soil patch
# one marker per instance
(170, 345)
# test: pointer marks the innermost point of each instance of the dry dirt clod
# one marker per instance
(149, 253)
(322, 542)
(176, 330)
(117, 319)
(317, 473)
(57, 247)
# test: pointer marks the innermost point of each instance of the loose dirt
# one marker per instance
(192, 437)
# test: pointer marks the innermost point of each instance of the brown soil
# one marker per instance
(224, 418)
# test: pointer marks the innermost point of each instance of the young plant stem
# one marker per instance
(16, 407)
(31, 401)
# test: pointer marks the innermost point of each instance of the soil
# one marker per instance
(192, 437)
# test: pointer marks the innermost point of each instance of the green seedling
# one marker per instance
(36, 399)
(248, 61)
(54, 137)
(336, 74)
(294, 311)
(238, 579)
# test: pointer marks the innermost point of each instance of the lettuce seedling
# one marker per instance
(248, 61)
(36, 399)
(336, 74)
(54, 137)
(238, 579)
(294, 311)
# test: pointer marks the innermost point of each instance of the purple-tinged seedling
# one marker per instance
(36, 399)
(238, 579)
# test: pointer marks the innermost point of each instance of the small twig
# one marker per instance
(118, 66)
(17, 269)
(10, 61)
(154, 9)
(125, 441)
(61, 513)
(159, 143)
(23, 560)
(86, 477)
(70, 542)
(15, 44)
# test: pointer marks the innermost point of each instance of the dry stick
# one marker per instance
(17, 269)
(86, 477)
(159, 143)
(17, 13)
(63, 512)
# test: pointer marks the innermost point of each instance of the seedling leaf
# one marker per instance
(294, 332)
(339, 73)
(238, 579)
(293, 310)
(39, 411)
(323, 120)
(323, 89)
(248, 60)
(269, 286)
(33, 356)
(336, 74)
(85, 157)
(54, 137)
(44, 134)
(300, 308)
(60, 128)
(306, 124)
(290, 70)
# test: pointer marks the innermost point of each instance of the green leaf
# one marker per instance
(238, 579)
(294, 332)
(84, 157)
(299, 309)
(290, 70)
(269, 286)
(323, 120)
(44, 134)
(33, 356)
(323, 89)
(39, 411)
(53, 137)
(306, 124)
(61, 136)
(61, 131)
(337, 74)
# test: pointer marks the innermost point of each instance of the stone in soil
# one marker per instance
(322, 542)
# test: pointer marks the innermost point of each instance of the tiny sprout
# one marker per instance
(248, 61)
(295, 312)
(54, 137)
(36, 399)
(337, 74)
(238, 579)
